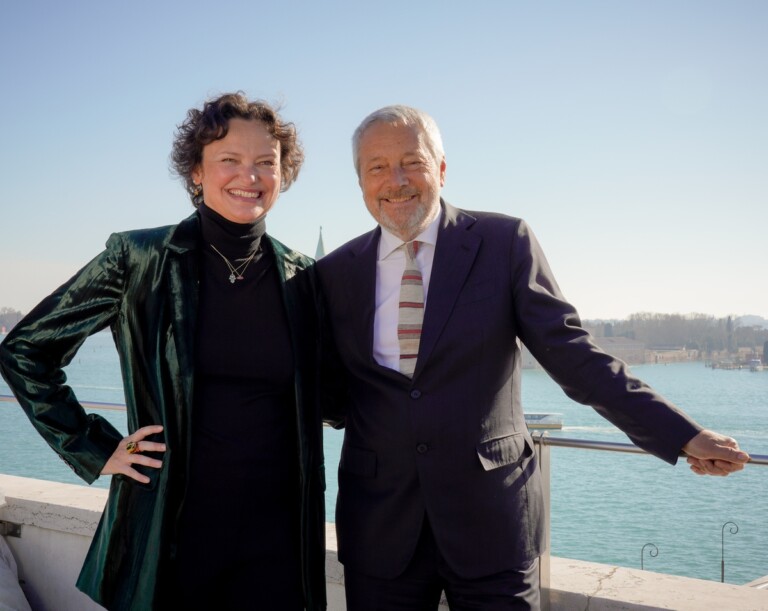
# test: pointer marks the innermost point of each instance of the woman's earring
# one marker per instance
(197, 190)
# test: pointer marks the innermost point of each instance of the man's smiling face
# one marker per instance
(400, 178)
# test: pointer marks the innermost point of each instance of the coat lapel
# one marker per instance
(183, 297)
(455, 253)
(287, 265)
(286, 269)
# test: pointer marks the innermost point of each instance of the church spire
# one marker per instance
(320, 250)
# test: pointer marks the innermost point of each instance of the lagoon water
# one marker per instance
(605, 506)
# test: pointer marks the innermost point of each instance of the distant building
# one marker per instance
(670, 355)
(631, 351)
(628, 350)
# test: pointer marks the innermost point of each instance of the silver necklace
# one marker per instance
(235, 273)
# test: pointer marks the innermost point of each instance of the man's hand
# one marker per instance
(710, 453)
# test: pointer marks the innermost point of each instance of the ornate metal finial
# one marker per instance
(653, 553)
(734, 529)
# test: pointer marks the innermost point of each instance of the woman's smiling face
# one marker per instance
(240, 173)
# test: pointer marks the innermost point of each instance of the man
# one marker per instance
(438, 483)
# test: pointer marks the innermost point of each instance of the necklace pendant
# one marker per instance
(232, 278)
(239, 277)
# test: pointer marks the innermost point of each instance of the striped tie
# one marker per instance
(411, 312)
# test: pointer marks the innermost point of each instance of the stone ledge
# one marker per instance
(760, 584)
(576, 584)
(334, 571)
(54, 506)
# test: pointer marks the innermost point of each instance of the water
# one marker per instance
(605, 506)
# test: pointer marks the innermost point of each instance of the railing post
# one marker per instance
(543, 453)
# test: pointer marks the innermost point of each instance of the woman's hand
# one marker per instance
(129, 452)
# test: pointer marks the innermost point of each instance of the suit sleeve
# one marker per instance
(34, 353)
(333, 384)
(551, 329)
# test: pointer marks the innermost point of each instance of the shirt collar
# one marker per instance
(389, 242)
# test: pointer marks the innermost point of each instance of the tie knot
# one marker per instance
(411, 248)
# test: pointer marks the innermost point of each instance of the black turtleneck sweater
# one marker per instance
(242, 502)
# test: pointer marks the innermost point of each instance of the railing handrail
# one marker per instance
(542, 437)
(610, 446)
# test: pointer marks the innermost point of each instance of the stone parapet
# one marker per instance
(58, 520)
(576, 584)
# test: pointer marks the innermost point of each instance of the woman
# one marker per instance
(217, 494)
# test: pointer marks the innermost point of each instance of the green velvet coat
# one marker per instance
(144, 286)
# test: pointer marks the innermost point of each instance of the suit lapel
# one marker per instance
(455, 253)
(360, 288)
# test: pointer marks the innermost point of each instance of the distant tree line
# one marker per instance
(9, 317)
(690, 331)
(657, 331)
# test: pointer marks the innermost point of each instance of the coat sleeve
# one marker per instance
(34, 353)
(551, 329)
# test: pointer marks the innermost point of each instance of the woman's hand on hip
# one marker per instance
(129, 453)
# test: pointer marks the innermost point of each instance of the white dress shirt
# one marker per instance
(390, 265)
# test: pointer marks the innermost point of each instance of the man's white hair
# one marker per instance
(401, 115)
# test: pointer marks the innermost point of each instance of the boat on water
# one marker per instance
(729, 364)
(544, 421)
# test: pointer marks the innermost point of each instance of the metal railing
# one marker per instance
(586, 444)
(542, 444)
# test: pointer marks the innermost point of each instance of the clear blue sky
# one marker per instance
(632, 136)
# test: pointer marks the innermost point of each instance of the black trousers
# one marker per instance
(427, 576)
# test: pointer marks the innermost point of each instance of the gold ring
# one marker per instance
(132, 447)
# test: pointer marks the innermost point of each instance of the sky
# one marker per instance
(632, 136)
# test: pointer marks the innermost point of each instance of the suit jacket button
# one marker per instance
(415, 393)
(422, 448)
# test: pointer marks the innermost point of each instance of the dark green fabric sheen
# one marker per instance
(143, 286)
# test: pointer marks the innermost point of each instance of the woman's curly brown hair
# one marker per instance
(202, 127)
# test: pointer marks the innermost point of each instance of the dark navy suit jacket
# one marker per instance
(451, 443)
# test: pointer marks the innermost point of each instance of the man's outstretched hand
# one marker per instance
(710, 453)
